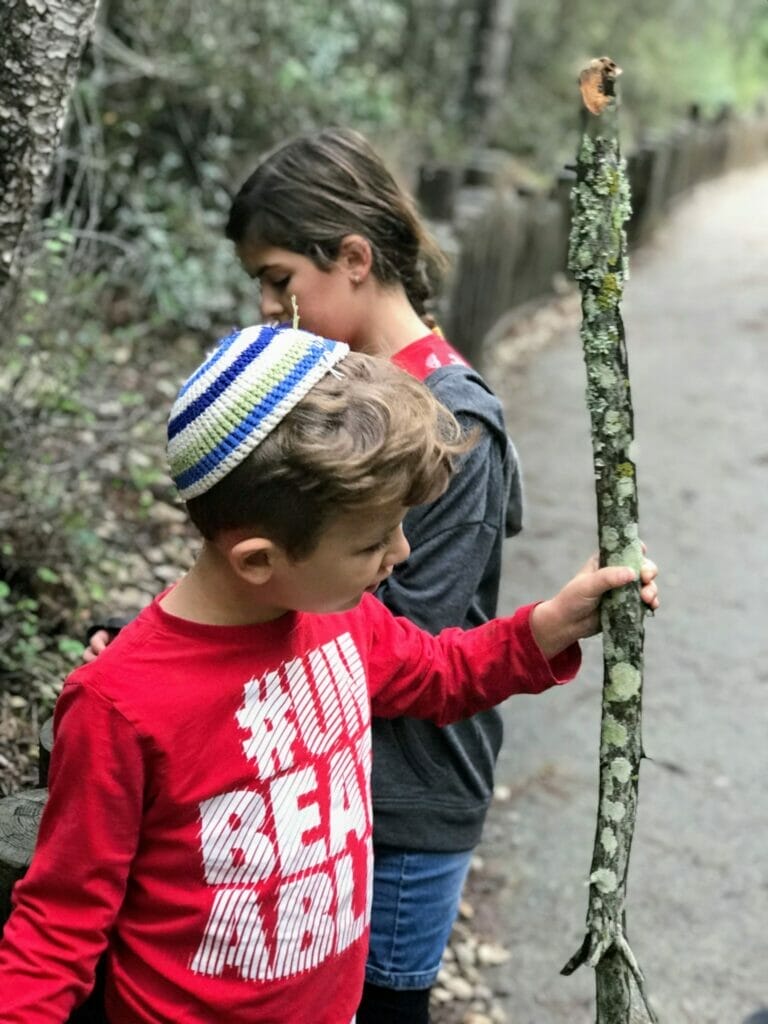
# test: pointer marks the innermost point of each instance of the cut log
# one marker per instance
(19, 821)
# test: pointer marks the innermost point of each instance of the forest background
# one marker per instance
(130, 277)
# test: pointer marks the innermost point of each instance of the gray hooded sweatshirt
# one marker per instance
(432, 786)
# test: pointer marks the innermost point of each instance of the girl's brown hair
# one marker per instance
(311, 192)
(371, 436)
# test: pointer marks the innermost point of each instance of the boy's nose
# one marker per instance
(399, 549)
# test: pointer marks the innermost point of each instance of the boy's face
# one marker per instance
(354, 555)
(325, 299)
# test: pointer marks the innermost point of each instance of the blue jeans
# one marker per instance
(415, 901)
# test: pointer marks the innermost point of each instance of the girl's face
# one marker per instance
(326, 299)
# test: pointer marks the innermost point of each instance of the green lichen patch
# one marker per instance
(625, 488)
(621, 769)
(624, 683)
(610, 292)
(608, 841)
(609, 538)
(604, 880)
(612, 422)
(612, 810)
(631, 555)
(605, 377)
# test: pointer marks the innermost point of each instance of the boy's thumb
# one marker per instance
(616, 576)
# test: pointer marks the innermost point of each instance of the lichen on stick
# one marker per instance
(598, 261)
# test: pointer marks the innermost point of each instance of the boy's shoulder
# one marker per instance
(163, 685)
(157, 656)
(136, 645)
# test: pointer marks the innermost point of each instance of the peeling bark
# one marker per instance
(598, 260)
(41, 45)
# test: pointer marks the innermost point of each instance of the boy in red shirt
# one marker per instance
(209, 821)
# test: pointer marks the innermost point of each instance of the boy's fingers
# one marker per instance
(650, 596)
(610, 576)
(99, 641)
(618, 576)
(648, 570)
(96, 644)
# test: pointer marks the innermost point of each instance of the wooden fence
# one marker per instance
(509, 245)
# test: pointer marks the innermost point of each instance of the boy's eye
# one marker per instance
(378, 546)
(281, 283)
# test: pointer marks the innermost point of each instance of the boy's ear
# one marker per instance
(356, 257)
(253, 559)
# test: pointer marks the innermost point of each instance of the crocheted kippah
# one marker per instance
(241, 392)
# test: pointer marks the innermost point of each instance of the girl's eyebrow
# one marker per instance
(258, 273)
(262, 270)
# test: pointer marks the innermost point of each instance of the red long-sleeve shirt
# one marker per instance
(209, 819)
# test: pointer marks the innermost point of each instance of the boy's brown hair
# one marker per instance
(365, 435)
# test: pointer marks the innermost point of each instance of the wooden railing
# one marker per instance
(508, 242)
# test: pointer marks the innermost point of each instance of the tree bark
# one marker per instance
(486, 74)
(598, 260)
(42, 43)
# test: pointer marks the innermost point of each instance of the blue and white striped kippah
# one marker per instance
(241, 392)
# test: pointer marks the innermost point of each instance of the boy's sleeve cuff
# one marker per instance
(565, 665)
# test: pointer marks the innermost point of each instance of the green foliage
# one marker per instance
(30, 658)
(58, 429)
(176, 102)
(675, 53)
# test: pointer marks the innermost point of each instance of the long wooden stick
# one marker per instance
(598, 260)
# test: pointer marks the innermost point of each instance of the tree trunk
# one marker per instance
(598, 260)
(487, 67)
(19, 820)
(42, 43)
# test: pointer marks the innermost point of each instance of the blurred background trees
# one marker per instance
(178, 99)
(131, 274)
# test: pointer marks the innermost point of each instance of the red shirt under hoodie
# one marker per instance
(209, 813)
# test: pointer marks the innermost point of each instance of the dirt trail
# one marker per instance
(696, 313)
